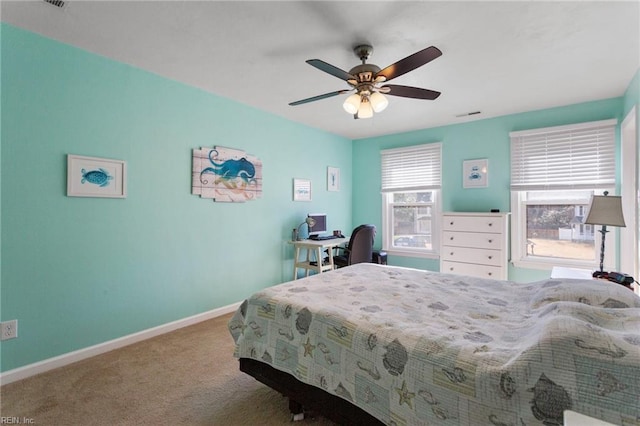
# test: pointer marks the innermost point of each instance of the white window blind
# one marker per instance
(580, 156)
(411, 168)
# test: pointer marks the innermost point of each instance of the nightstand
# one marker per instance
(562, 272)
(584, 274)
(572, 418)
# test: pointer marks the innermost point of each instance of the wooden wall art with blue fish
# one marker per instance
(226, 175)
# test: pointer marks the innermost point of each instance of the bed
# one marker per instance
(374, 344)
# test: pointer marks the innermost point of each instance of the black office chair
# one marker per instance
(359, 249)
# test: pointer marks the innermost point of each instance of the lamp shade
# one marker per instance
(378, 101)
(605, 210)
(365, 110)
(309, 221)
(352, 103)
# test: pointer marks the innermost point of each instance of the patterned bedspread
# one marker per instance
(414, 347)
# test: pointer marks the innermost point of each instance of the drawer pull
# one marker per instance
(490, 241)
(490, 224)
(490, 257)
(451, 254)
(451, 239)
(451, 269)
(490, 273)
(451, 223)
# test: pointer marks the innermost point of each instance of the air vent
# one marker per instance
(468, 114)
(56, 3)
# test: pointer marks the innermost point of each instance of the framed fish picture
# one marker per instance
(96, 177)
(475, 173)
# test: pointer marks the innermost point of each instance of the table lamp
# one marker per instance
(310, 223)
(605, 211)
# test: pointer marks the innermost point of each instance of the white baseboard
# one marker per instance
(71, 357)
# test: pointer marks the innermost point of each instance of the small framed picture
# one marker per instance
(333, 179)
(475, 173)
(301, 190)
(96, 177)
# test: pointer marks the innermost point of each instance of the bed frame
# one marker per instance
(306, 398)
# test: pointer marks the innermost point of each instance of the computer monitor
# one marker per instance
(321, 224)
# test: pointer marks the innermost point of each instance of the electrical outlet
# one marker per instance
(9, 330)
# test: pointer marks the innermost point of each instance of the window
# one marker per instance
(410, 192)
(554, 173)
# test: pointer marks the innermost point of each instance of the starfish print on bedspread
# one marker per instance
(405, 395)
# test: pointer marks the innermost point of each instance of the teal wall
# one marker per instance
(81, 271)
(477, 139)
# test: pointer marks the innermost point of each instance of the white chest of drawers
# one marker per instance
(475, 244)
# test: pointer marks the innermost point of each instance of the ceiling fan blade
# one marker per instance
(410, 63)
(317, 98)
(411, 92)
(330, 69)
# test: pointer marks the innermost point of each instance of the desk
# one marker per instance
(318, 247)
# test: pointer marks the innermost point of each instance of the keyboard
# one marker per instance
(323, 237)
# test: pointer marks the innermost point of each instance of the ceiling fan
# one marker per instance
(366, 80)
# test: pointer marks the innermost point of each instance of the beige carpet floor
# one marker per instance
(186, 377)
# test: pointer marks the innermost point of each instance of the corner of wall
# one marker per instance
(631, 96)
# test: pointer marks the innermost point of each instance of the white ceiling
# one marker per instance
(498, 57)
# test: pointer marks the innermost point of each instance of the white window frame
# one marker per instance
(387, 227)
(630, 177)
(431, 183)
(550, 180)
(519, 254)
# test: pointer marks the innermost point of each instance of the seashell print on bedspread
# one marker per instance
(414, 347)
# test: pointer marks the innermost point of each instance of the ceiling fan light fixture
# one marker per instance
(365, 110)
(366, 80)
(352, 103)
(378, 101)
